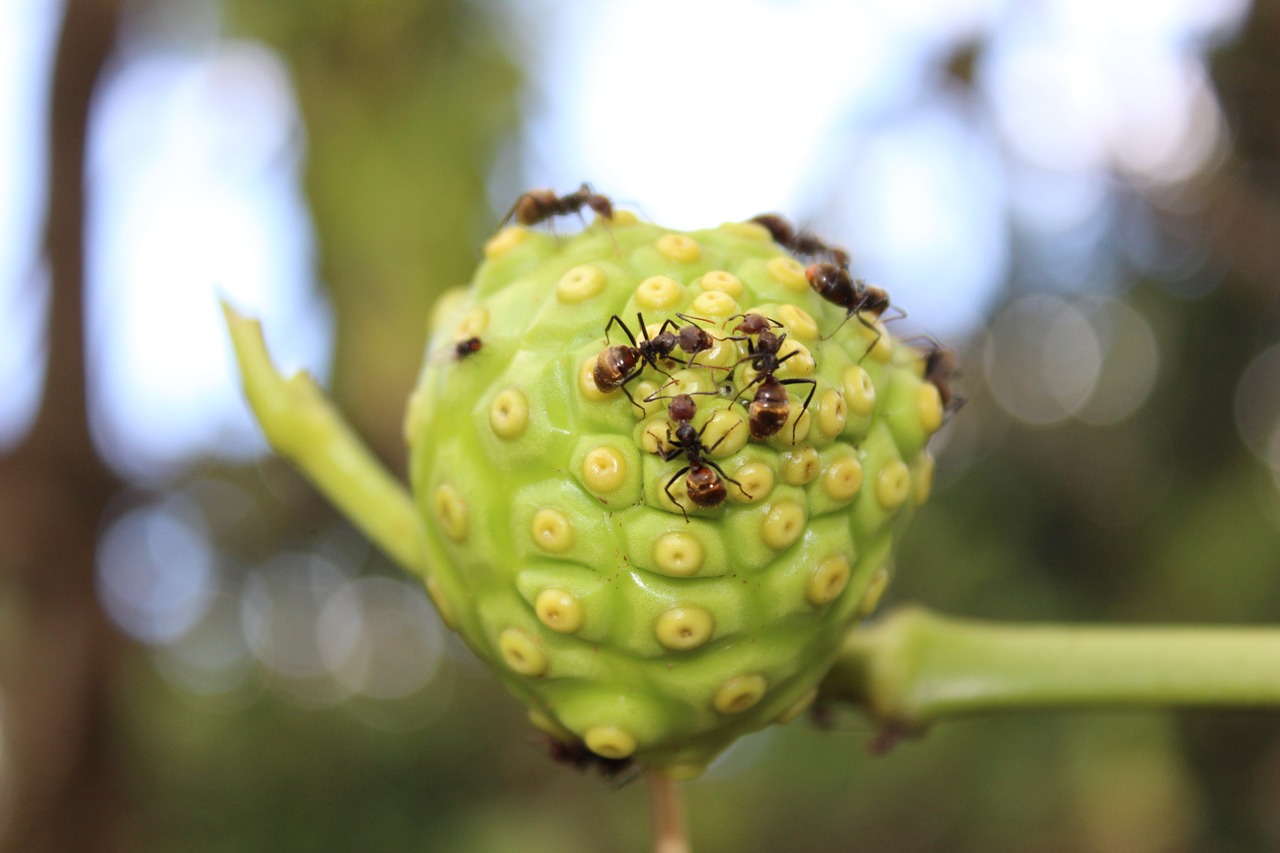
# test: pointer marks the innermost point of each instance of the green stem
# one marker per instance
(302, 425)
(914, 668)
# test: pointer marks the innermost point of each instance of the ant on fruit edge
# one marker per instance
(770, 406)
(579, 756)
(618, 364)
(836, 285)
(537, 206)
(704, 478)
(940, 369)
(800, 241)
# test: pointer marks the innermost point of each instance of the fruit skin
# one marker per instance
(550, 543)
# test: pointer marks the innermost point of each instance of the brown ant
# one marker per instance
(619, 364)
(940, 368)
(469, 347)
(537, 206)
(834, 284)
(693, 339)
(576, 754)
(705, 480)
(801, 241)
(771, 404)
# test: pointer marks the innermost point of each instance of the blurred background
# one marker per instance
(198, 654)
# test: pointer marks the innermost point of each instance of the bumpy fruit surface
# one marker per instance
(554, 545)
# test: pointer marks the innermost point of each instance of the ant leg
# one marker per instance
(623, 389)
(667, 489)
(616, 319)
(718, 440)
(813, 387)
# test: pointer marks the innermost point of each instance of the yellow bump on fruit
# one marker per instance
(451, 511)
(679, 247)
(739, 694)
(684, 628)
(796, 429)
(659, 292)
(687, 382)
(798, 321)
(552, 531)
(874, 592)
(788, 272)
(610, 741)
(892, 484)
(925, 470)
(654, 435)
(723, 353)
(678, 554)
(587, 381)
(714, 304)
(604, 469)
(756, 479)
(798, 707)
(509, 413)
(547, 723)
(442, 604)
(726, 431)
(472, 325)
(859, 390)
(828, 580)
(720, 281)
(559, 610)
(619, 218)
(782, 525)
(843, 478)
(800, 466)
(521, 653)
(647, 393)
(800, 364)
(929, 405)
(832, 413)
(504, 241)
(580, 284)
(750, 230)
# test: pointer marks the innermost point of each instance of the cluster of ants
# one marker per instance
(769, 405)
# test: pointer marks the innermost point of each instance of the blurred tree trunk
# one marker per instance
(62, 778)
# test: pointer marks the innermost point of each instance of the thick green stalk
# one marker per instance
(914, 668)
(302, 425)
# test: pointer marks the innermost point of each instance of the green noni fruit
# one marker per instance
(627, 607)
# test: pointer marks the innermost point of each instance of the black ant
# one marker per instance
(800, 242)
(834, 284)
(771, 405)
(619, 364)
(469, 347)
(940, 368)
(537, 206)
(705, 480)
(578, 756)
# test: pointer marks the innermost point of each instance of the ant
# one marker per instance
(800, 242)
(705, 481)
(834, 284)
(771, 405)
(537, 206)
(619, 364)
(577, 755)
(469, 347)
(693, 339)
(940, 367)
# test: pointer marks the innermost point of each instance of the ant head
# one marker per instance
(682, 408)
